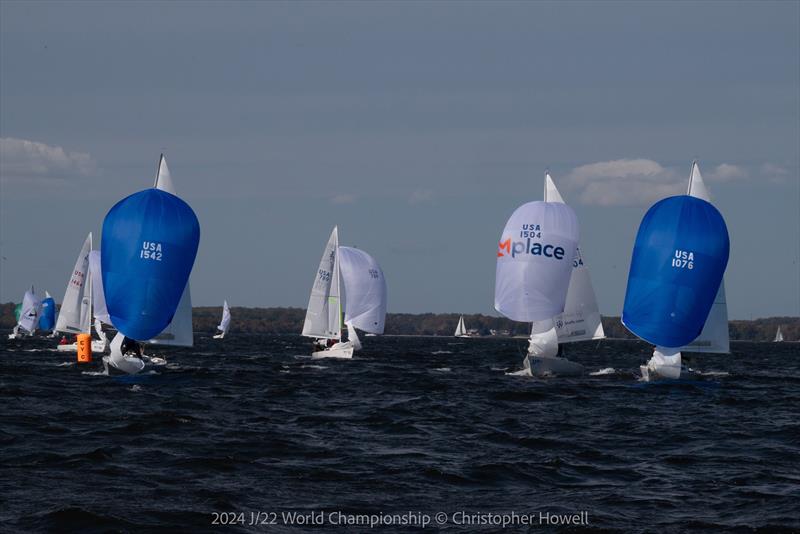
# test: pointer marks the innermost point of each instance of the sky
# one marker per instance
(416, 127)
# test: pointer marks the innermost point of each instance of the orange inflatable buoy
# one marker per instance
(84, 348)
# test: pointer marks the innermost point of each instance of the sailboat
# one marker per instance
(461, 330)
(149, 245)
(678, 263)
(75, 316)
(778, 336)
(534, 267)
(29, 315)
(47, 319)
(580, 320)
(348, 282)
(225, 323)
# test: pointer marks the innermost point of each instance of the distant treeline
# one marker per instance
(290, 321)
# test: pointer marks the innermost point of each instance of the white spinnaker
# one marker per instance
(460, 329)
(534, 261)
(714, 337)
(72, 315)
(364, 290)
(581, 318)
(98, 295)
(179, 331)
(323, 315)
(225, 323)
(30, 311)
(544, 339)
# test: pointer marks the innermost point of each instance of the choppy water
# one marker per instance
(422, 425)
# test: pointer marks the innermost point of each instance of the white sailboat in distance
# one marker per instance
(778, 336)
(225, 323)
(350, 283)
(461, 329)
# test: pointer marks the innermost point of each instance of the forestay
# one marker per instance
(534, 261)
(323, 316)
(364, 290)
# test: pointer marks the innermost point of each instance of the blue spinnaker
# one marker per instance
(148, 248)
(47, 319)
(679, 258)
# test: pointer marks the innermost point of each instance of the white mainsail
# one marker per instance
(460, 329)
(778, 336)
(714, 337)
(225, 323)
(581, 317)
(98, 295)
(179, 331)
(30, 311)
(324, 313)
(364, 290)
(74, 316)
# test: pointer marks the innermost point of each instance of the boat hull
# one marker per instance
(342, 350)
(129, 365)
(543, 366)
(97, 347)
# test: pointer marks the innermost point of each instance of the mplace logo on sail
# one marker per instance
(513, 248)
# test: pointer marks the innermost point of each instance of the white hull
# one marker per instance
(126, 365)
(652, 375)
(552, 366)
(219, 336)
(98, 347)
(342, 350)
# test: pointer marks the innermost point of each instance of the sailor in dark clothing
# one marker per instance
(131, 347)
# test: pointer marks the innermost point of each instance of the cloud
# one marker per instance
(640, 182)
(726, 172)
(624, 182)
(28, 161)
(420, 196)
(343, 199)
(774, 173)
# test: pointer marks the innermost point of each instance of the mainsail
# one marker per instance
(324, 313)
(581, 317)
(225, 323)
(74, 316)
(714, 338)
(179, 330)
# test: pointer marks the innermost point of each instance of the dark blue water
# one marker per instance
(238, 430)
